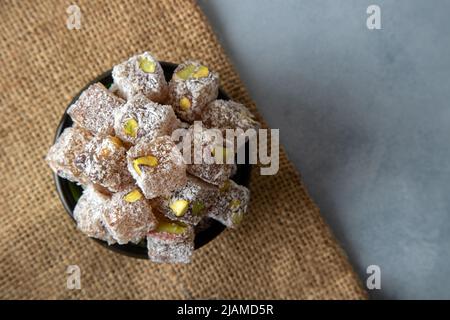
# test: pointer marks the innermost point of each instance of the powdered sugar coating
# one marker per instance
(231, 206)
(166, 247)
(131, 80)
(94, 109)
(128, 221)
(61, 156)
(212, 172)
(169, 173)
(88, 214)
(200, 196)
(199, 91)
(228, 114)
(153, 119)
(103, 162)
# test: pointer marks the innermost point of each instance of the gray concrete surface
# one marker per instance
(365, 116)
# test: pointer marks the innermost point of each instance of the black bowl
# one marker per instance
(69, 192)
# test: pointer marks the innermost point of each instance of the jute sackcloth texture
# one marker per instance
(283, 250)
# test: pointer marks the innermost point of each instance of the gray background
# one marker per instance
(364, 115)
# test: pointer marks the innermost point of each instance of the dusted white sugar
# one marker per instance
(165, 247)
(128, 221)
(103, 162)
(199, 92)
(212, 173)
(167, 175)
(61, 156)
(199, 195)
(227, 114)
(131, 80)
(231, 205)
(88, 214)
(94, 109)
(153, 119)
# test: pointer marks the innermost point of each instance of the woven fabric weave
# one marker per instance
(283, 251)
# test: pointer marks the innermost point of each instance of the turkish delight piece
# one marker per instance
(140, 117)
(88, 214)
(171, 242)
(94, 109)
(61, 156)
(212, 156)
(141, 74)
(103, 162)
(231, 205)
(128, 216)
(188, 204)
(227, 114)
(157, 166)
(191, 88)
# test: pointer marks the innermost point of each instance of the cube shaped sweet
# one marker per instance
(61, 156)
(216, 163)
(94, 109)
(171, 242)
(187, 204)
(227, 114)
(141, 74)
(88, 214)
(157, 166)
(140, 117)
(103, 162)
(191, 88)
(128, 216)
(231, 206)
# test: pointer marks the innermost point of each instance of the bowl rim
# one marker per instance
(68, 201)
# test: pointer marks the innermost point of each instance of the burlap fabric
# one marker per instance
(283, 251)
